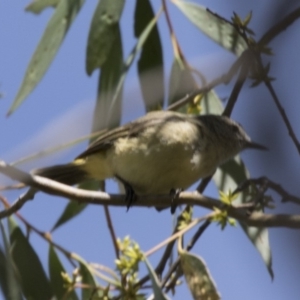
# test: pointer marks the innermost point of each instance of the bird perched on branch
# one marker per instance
(160, 152)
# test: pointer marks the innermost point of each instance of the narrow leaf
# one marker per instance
(198, 277)
(102, 33)
(28, 265)
(88, 279)
(158, 294)
(74, 208)
(181, 82)
(142, 39)
(8, 282)
(215, 27)
(53, 36)
(58, 285)
(150, 64)
(228, 177)
(37, 6)
(111, 72)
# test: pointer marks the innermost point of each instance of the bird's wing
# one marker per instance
(131, 129)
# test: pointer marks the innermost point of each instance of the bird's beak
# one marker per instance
(252, 145)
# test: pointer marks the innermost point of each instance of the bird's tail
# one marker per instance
(70, 174)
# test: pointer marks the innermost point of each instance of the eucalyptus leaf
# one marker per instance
(141, 40)
(109, 78)
(37, 6)
(88, 279)
(215, 27)
(9, 284)
(150, 64)
(102, 33)
(229, 176)
(74, 208)
(198, 278)
(53, 36)
(158, 293)
(28, 265)
(181, 82)
(56, 270)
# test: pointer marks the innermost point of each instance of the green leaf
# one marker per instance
(58, 284)
(89, 280)
(198, 277)
(74, 208)
(102, 33)
(37, 6)
(34, 282)
(181, 82)
(211, 103)
(53, 36)
(150, 64)
(8, 282)
(111, 72)
(216, 28)
(228, 177)
(158, 294)
(71, 210)
(142, 39)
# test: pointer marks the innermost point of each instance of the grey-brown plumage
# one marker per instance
(159, 152)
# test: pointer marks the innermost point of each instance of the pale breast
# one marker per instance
(162, 158)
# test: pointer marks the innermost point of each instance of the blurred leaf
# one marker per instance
(58, 284)
(54, 149)
(158, 294)
(89, 280)
(71, 210)
(3, 274)
(102, 33)
(28, 265)
(111, 72)
(37, 6)
(214, 27)
(142, 39)
(198, 277)
(229, 176)
(8, 282)
(53, 36)
(211, 103)
(74, 208)
(150, 64)
(181, 82)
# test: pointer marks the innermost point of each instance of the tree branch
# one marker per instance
(191, 198)
(279, 27)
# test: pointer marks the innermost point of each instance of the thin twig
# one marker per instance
(46, 236)
(190, 245)
(279, 27)
(111, 230)
(29, 195)
(264, 181)
(176, 46)
(283, 114)
(224, 78)
(238, 85)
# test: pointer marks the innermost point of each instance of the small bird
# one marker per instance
(159, 153)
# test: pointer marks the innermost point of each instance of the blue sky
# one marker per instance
(65, 99)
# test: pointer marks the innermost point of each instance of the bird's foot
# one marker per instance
(174, 193)
(130, 196)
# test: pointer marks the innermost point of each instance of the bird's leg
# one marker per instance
(130, 195)
(174, 193)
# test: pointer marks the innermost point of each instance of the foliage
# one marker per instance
(21, 271)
